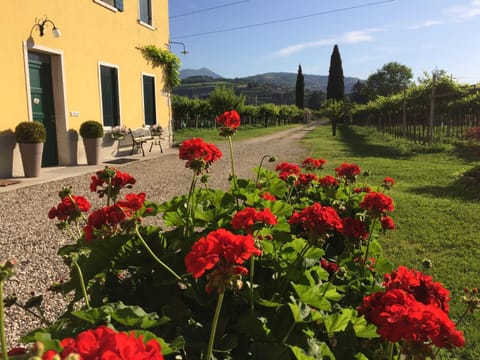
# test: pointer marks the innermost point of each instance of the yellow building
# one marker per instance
(64, 62)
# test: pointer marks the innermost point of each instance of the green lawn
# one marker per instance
(437, 216)
(245, 132)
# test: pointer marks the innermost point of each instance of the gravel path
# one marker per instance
(29, 237)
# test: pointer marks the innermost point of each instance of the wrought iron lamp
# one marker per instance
(184, 52)
(42, 23)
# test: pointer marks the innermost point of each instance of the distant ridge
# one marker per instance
(202, 72)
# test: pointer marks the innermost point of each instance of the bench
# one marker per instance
(142, 136)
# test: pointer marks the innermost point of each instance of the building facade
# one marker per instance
(65, 62)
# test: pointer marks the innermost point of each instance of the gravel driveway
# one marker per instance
(29, 237)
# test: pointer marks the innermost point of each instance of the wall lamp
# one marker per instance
(184, 52)
(42, 23)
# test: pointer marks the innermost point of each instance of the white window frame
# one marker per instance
(147, 25)
(105, 5)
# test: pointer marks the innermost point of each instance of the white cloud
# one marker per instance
(465, 12)
(348, 37)
(426, 24)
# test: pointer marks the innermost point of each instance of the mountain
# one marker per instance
(202, 72)
(273, 87)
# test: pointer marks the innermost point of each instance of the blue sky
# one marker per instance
(422, 34)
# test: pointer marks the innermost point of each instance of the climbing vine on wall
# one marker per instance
(167, 60)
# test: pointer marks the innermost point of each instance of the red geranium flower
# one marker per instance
(354, 228)
(377, 203)
(328, 181)
(267, 196)
(387, 223)
(306, 179)
(388, 181)
(286, 169)
(223, 250)
(105, 343)
(69, 211)
(331, 267)
(229, 120)
(365, 189)
(199, 154)
(348, 171)
(312, 164)
(117, 180)
(317, 220)
(247, 218)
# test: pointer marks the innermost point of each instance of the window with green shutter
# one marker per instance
(110, 99)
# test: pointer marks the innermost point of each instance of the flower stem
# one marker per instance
(82, 283)
(260, 168)
(234, 178)
(160, 262)
(368, 246)
(3, 340)
(288, 333)
(252, 269)
(189, 218)
(214, 326)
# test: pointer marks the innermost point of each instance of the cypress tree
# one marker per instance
(299, 89)
(335, 87)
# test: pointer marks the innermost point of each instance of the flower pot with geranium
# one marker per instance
(92, 134)
(118, 132)
(31, 136)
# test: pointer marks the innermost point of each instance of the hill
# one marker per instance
(274, 87)
(202, 72)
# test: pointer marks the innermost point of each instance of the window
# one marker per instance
(115, 5)
(110, 100)
(149, 111)
(146, 12)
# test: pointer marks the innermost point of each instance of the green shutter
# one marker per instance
(119, 5)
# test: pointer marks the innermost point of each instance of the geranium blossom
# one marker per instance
(313, 164)
(105, 343)
(348, 171)
(387, 223)
(229, 119)
(267, 196)
(377, 203)
(108, 220)
(306, 179)
(117, 179)
(285, 169)
(328, 181)
(388, 182)
(354, 228)
(199, 154)
(68, 210)
(246, 219)
(317, 220)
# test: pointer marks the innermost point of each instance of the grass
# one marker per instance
(437, 215)
(245, 132)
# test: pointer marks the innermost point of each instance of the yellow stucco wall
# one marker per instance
(90, 34)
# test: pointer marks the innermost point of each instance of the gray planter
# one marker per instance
(31, 159)
(93, 150)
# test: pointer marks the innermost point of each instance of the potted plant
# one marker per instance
(31, 136)
(118, 132)
(92, 134)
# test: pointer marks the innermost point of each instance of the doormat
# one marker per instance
(4, 182)
(120, 161)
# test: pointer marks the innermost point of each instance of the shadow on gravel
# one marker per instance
(359, 146)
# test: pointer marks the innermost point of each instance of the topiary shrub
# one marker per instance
(30, 132)
(91, 129)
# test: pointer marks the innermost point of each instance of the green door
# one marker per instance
(43, 109)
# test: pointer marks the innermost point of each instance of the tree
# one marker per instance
(391, 79)
(315, 99)
(224, 99)
(299, 88)
(335, 86)
(334, 110)
(358, 94)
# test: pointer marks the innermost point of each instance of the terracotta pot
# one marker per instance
(31, 158)
(93, 150)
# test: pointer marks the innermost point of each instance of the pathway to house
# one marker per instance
(29, 237)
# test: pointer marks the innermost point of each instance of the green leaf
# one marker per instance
(338, 322)
(363, 329)
(320, 351)
(299, 310)
(317, 296)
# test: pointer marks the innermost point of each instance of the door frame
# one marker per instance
(65, 156)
